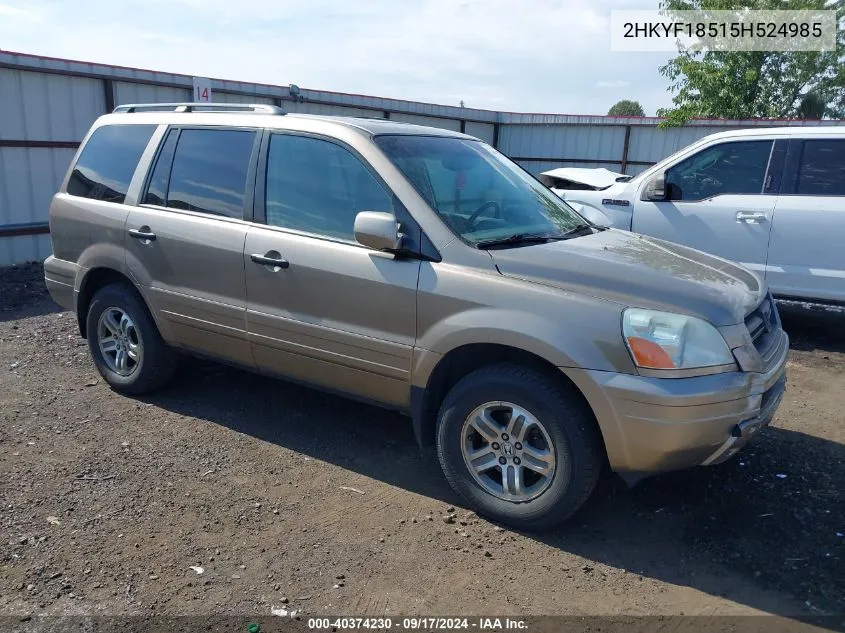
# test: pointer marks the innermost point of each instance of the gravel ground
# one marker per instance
(283, 497)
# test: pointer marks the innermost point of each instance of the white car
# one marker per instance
(772, 199)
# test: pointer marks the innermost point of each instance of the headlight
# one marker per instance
(663, 340)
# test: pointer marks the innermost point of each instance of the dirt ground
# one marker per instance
(289, 498)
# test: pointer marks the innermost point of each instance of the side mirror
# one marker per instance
(656, 189)
(378, 230)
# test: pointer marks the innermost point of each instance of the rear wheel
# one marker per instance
(520, 447)
(125, 344)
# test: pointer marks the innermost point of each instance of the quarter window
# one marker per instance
(728, 168)
(319, 187)
(822, 168)
(108, 161)
(209, 172)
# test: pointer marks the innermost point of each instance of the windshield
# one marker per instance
(481, 195)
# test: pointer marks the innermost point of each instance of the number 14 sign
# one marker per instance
(202, 90)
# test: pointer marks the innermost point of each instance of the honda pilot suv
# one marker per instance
(421, 270)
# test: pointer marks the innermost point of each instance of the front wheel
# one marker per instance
(520, 447)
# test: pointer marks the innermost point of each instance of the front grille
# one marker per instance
(763, 325)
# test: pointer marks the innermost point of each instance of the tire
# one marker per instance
(570, 435)
(156, 361)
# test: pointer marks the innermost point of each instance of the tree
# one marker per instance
(626, 107)
(812, 106)
(767, 84)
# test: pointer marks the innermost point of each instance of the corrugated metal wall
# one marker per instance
(540, 147)
(304, 107)
(42, 117)
(41, 106)
(416, 119)
(18, 249)
(28, 179)
(585, 142)
(649, 147)
(225, 97)
(485, 131)
(536, 166)
(125, 92)
(47, 105)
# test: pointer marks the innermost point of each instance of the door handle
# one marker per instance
(751, 217)
(274, 260)
(143, 233)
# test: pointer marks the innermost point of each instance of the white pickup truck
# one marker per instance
(772, 199)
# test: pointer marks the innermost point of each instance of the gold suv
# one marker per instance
(421, 270)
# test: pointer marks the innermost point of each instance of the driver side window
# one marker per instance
(727, 168)
(317, 186)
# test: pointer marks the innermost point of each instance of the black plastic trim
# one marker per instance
(15, 230)
(774, 172)
(422, 423)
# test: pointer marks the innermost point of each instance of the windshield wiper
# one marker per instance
(573, 232)
(519, 239)
(516, 239)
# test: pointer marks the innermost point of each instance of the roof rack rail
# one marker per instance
(202, 107)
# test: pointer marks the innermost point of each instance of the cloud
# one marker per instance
(540, 56)
(15, 13)
(616, 83)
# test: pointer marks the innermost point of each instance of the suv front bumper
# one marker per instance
(654, 425)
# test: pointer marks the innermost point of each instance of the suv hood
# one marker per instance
(579, 178)
(639, 271)
(594, 193)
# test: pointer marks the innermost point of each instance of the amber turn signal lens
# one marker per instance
(648, 354)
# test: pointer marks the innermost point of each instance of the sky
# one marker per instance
(515, 55)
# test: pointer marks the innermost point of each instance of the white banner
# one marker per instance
(202, 90)
(742, 30)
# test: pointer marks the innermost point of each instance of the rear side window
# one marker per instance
(822, 168)
(209, 171)
(108, 161)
